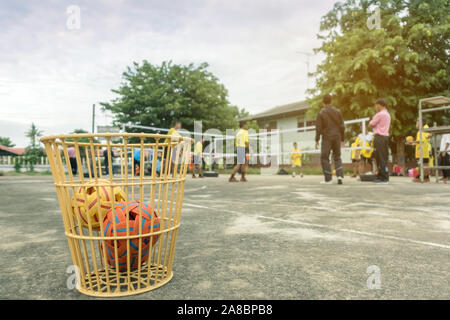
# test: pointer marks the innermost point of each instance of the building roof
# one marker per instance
(282, 111)
(436, 100)
(11, 151)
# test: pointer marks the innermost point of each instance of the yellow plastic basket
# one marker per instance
(121, 225)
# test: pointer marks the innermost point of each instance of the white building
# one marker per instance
(290, 117)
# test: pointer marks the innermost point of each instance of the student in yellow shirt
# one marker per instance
(426, 148)
(242, 146)
(366, 156)
(173, 132)
(198, 150)
(355, 157)
(296, 157)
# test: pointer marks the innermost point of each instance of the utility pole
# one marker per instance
(308, 56)
(93, 118)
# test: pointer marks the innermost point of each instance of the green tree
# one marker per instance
(252, 124)
(33, 152)
(17, 164)
(83, 140)
(157, 95)
(34, 134)
(6, 142)
(405, 60)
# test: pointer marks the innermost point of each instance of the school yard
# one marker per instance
(274, 237)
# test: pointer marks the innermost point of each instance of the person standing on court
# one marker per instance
(381, 123)
(137, 161)
(72, 159)
(174, 131)
(444, 156)
(198, 151)
(296, 156)
(330, 125)
(242, 148)
(108, 155)
(175, 137)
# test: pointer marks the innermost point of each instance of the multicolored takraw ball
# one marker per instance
(88, 202)
(118, 220)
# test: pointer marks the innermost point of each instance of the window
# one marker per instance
(301, 121)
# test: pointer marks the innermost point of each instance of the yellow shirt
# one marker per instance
(355, 151)
(367, 153)
(198, 149)
(172, 132)
(242, 138)
(425, 144)
(296, 157)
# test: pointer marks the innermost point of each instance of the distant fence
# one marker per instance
(10, 160)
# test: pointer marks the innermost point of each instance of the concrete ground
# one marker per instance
(274, 237)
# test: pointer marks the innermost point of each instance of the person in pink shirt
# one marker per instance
(73, 160)
(381, 123)
(397, 170)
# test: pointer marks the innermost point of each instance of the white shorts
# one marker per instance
(240, 155)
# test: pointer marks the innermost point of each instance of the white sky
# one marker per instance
(52, 75)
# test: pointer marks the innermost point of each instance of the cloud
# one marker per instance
(52, 75)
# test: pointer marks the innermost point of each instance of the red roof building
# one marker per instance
(7, 151)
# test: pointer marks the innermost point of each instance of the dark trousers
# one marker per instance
(74, 165)
(106, 166)
(445, 161)
(136, 163)
(331, 144)
(381, 146)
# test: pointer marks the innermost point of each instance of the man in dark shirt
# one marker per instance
(108, 156)
(330, 125)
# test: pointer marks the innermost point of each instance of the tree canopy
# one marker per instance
(6, 142)
(157, 95)
(403, 61)
(80, 140)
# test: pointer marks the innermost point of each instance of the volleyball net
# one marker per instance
(266, 147)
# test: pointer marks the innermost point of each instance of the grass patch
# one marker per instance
(25, 173)
(306, 171)
(249, 171)
(316, 171)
